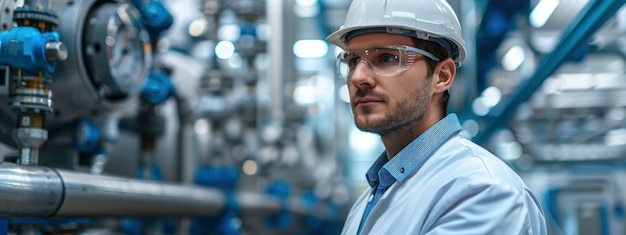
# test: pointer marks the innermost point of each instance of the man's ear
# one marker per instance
(445, 73)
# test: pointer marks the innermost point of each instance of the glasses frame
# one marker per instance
(406, 49)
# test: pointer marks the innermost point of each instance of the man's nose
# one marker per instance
(362, 75)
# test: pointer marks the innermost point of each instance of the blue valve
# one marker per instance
(155, 16)
(132, 226)
(247, 28)
(158, 88)
(25, 48)
(316, 225)
(282, 219)
(279, 189)
(310, 202)
(224, 177)
(86, 137)
(155, 172)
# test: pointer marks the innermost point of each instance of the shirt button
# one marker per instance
(402, 170)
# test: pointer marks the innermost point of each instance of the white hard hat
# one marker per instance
(431, 20)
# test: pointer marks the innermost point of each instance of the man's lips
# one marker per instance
(366, 101)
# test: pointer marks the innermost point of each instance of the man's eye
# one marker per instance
(354, 61)
(387, 58)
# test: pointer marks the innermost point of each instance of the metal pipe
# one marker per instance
(256, 204)
(40, 192)
(29, 191)
(592, 17)
(97, 195)
(275, 18)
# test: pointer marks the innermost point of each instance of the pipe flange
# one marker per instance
(29, 98)
(21, 14)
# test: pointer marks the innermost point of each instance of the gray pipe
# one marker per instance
(40, 192)
(28, 191)
(97, 195)
(34, 191)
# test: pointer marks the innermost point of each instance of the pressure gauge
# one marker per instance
(108, 61)
(116, 50)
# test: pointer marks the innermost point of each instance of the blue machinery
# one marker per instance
(59, 197)
(31, 50)
(109, 60)
(590, 20)
(580, 195)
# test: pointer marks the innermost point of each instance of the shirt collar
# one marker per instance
(385, 172)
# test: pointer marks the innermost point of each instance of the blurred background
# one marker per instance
(226, 117)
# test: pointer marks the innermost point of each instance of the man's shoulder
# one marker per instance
(462, 162)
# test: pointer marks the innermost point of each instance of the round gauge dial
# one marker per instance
(115, 37)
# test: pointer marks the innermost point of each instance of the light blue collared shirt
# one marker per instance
(441, 183)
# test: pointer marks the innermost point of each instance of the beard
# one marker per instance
(400, 114)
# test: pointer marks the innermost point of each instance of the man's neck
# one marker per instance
(396, 140)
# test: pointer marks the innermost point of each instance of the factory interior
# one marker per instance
(227, 116)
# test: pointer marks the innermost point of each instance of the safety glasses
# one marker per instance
(383, 61)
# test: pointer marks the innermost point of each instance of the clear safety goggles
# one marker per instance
(383, 61)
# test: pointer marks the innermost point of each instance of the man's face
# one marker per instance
(383, 104)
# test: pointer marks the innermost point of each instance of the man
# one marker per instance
(399, 60)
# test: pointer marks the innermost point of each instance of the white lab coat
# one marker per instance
(460, 189)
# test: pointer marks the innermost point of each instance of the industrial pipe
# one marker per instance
(31, 191)
(42, 192)
(96, 195)
(28, 191)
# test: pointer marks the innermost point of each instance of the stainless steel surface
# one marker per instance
(42, 4)
(6, 18)
(29, 157)
(97, 195)
(257, 204)
(27, 191)
(31, 191)
(275, 48)
(97, 166)
(29, 140)
(56, 51)
(37, 99)
(30, 137)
